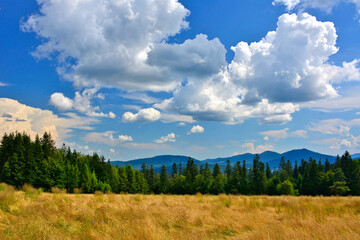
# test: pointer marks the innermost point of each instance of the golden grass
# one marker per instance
(111, 216)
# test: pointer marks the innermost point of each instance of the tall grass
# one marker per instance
(123, 216)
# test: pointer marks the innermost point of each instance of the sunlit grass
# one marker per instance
(31, 214)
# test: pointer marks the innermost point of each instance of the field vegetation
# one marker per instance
(32, 214)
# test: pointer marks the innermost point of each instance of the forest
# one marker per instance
(42, 165)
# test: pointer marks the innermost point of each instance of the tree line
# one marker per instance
(42, 165)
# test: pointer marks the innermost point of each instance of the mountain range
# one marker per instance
(272, 158)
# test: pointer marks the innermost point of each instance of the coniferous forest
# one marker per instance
(41, 164)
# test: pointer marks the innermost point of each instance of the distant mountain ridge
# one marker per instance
(270, 157)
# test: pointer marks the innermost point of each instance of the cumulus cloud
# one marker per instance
(123, 44)
(125, 138)
(250, 148)
(20, 117)
(267, 79)
(325, 5)
(196, 129)
(110, 40)
(61, 102)
(107, 138)
(112, 150)
(81, 103)
(168, 138)
(143, 115)
(290, 64)
(3, 84)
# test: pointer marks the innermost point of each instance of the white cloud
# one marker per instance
(143, 115)
(81, 103)
(142, 97)
(283, 133)
(266, 79)
(123, 44)
(334, 126)
(342, 129)
(3, 84)
(125, 138)
(350, 143)
(299, 133)
(166, 117)
(182, 124)
(290, 4)
(196, 129)
(112, 150)
(107, 138)
(277, 134)
(61, 102)
(169, 138)
(102, 137)
(80, 148)
(325, 5)
(110, 40)
(290, 64)
(20, 117)
(250, 148)
(349, 99)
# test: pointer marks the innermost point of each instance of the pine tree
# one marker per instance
(164, 181)
(216, 171)
(174, 170)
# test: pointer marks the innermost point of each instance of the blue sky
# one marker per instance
(138, 78)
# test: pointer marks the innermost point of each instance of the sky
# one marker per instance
(138, 78)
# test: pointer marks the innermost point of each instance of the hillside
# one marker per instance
(273, 158)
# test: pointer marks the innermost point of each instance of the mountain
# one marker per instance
(272, 158)
(298, 154)
(248, 157)
(156, 161)
(355, 156)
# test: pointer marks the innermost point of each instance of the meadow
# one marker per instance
(32, 214)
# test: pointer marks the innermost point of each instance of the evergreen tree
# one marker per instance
(174, 170)
(164, 181)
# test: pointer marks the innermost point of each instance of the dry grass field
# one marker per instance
(29, 215)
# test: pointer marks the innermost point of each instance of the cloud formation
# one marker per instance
(168, 138)
(197, 129)
(143, 115)
(110, 40)
(325, 5)
(267, 79)
(81, 103)
(20, 117)
(283, 133)
(125, 138)
(124, 45)
(107, 138)
(250, 148)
